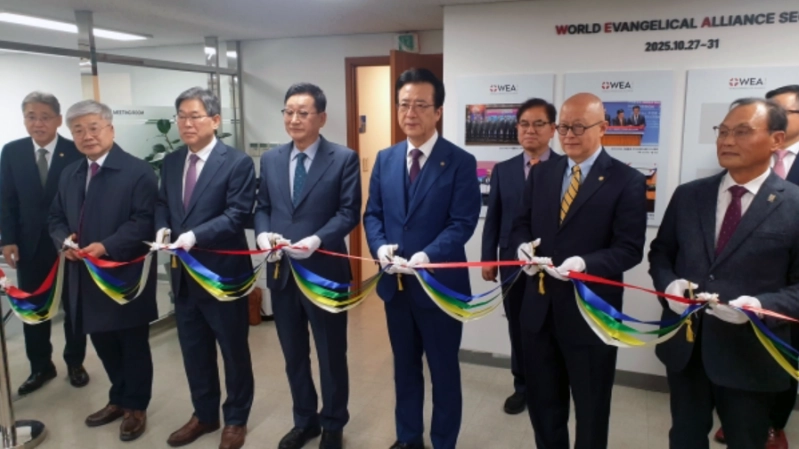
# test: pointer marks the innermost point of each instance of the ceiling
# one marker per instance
(172, 22)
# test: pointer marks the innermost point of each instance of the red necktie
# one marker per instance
(415, 167)
(731, 218)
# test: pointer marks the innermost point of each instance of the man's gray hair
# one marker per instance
(88, 107)
(43, 98)
(208, 99)
(777, 118)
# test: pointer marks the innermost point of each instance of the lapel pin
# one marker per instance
(601, 178)
(60, 154)
(443, 163)
(771, 198)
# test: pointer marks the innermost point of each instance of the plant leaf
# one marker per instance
(163, 125)
(158, 157)
(224, 135)
(176, 141)
(159, 148)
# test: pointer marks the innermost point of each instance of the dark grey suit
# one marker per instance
(726, 367)
(329, 207)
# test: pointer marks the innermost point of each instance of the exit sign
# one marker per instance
(408, 42)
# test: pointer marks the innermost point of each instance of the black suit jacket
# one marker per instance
(605, 225)
(117, 210)
(641, 120)
(25, 202)
(760, 260)
(504, 199)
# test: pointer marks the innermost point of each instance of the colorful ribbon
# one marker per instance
(27, 311)
(113, 287)
(328, 295)
(220, 287)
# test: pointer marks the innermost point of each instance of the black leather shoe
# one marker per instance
(515, 404)
(78, 376)
(37, 380)
(332, 440)
(399, 445)
(298, 437)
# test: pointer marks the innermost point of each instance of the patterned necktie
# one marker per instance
(41, 162)
(191, 180)
(571, 192)
(731, 218)
(299, 177)
(415, 167)
(779, 164)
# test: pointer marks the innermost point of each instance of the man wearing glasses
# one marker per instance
(589, 212)
(782, 163)
(29, 173)
(733, 234)
(310, 194)
(424, 203)
(207, 194)
(536, 127)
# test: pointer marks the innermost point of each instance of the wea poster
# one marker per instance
(708, 99)
(639, 110)
(487, 117)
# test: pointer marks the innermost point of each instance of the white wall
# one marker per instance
(520, 38)
(272, 65)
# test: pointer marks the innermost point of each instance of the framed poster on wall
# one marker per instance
(639, 109)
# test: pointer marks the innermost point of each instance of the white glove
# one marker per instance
(4, 283)
(728, 312)
(400, 266)
(186, 241)
(163, 236)
(746, 301)
(526, 253)
(574, 263)
(70, 244)
(678, 288)
(304, 248)
(417, 259)
(265, 242)
(385, 254)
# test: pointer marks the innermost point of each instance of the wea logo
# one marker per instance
(502, 89)
(617, 86)
(747, 83)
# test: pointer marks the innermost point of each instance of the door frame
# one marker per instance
(353, 140)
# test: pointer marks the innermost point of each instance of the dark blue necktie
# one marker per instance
(299, 177)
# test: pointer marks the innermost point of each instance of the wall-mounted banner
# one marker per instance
(487, 106)
(682, 23)
(708, 98)
(639, 110)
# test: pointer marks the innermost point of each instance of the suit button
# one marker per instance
(711, 278)
(406, 228)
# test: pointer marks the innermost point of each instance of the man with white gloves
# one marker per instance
(589, 210)
(309, 198)
(733, 235)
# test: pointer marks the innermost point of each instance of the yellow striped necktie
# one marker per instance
(571, 192)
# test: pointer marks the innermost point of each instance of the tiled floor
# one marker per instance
(639, 419)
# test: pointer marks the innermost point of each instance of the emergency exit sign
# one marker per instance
(408, 42)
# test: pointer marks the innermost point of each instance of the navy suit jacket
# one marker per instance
(222, 201)
(761, 260)
(25, 204)
(117, 211)
(504, 200)
(438, 219)
(605, 225)
(641, 120)
(329, 207)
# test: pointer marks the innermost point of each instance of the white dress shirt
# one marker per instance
(787, 161)
(50, 147)
(203, 155)
(426, 148)
(310, 152)
(725, 197)
(100, 161)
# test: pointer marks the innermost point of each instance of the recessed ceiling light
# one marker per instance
(55, 25)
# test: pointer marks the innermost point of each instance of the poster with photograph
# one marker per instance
(708, 98)
(638, 109)
(487, 126)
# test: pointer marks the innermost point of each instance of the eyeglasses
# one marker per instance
(421, 107)
(288, 114)
(44, 119)
(577, 130)
(537, 125)
(189, 119)
(92, 130)
(792, 111)
(739, 132)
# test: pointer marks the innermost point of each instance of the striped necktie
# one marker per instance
(571, 192)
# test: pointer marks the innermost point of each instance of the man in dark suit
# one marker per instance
(29, 170)
(589, 212)
(536, 125)
(637, 119)
(207, 194)
(310, 194)
(783, 165)
(744, 248)
(424, 203)
(104, 208)
(619, 120)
